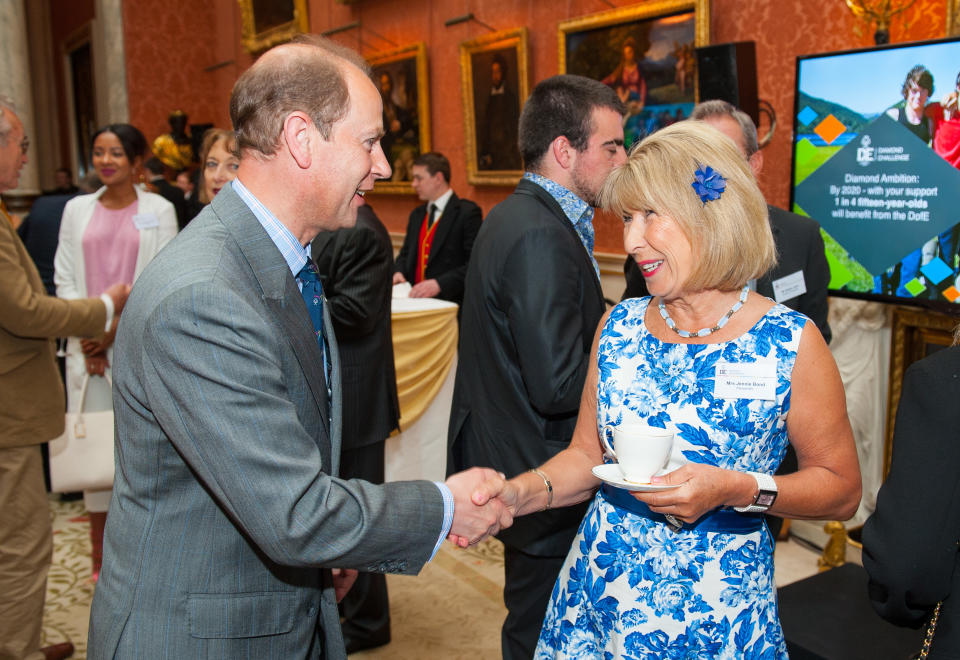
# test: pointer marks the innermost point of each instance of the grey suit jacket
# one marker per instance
(226, 503)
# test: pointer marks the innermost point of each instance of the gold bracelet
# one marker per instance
(546, 482)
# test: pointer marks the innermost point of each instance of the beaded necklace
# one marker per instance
(705, 331)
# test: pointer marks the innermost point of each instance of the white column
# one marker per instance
(15, 82)
(109, 63)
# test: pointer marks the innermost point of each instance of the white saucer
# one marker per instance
(611, 474)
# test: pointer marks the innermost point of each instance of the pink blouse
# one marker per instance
(111, 243)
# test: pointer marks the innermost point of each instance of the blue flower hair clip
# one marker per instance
(708, 183)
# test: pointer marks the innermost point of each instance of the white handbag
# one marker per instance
(82, 458)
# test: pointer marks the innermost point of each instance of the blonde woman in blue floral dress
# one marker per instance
(682, 573)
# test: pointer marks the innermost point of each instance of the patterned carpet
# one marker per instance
(69, 589)
(452, 610)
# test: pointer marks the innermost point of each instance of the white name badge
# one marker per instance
(789, 287)
(146, 220)
(746, 380)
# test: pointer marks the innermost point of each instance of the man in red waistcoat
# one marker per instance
(440, 234)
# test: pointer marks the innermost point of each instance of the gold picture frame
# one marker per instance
(645, 52)
(914, 336)
(266, 23)
(953, 18)
(406, 120)
(494, 83)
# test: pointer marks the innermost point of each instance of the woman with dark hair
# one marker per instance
(105, 237)
(910, 541)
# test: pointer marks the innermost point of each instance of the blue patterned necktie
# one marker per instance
(312, 292)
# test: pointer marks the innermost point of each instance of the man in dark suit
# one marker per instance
(910, 541)
(530, 311)
(440, 234)
(801, 276)
(355, 265)
(40, 233)
(227, 513)
(167, 190)
(498, 134)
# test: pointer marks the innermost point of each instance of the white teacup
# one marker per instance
(640, 450)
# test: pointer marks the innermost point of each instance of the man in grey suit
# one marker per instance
(227, 514)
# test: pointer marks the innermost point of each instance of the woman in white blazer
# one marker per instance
(111, 234)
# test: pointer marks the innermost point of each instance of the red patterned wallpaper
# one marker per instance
(169, 45)
(782, 31)
(171, 48)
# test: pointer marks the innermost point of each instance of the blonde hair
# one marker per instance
(210, 138)
(730, 236)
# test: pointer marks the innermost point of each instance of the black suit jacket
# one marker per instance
(450, 251)
(799, 248)
(356, 268)
(910, 541)
(531, 308)
(175, 196)
(40, 233)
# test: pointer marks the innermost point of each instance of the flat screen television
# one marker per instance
(876, 152)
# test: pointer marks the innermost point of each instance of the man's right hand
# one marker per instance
(398, 278)
(471, 522)
(118, 294)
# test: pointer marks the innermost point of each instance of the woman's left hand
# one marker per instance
(702, 488)
(97, 364)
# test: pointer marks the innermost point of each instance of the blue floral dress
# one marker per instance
(633, 588)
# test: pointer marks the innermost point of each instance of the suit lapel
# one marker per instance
(528, 188)
(765, 282)
(280, 295)
(447, 220)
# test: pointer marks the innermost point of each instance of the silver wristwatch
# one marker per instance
(766, 494)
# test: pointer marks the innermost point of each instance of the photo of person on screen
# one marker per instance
(911, 112)
(946, 118)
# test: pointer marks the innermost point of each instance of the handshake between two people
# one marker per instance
(484, 503)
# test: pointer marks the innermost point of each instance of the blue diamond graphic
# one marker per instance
(936, 270)
(807, 115)
(870, 197)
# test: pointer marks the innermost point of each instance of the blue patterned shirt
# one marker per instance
(296, 256)
(578, 212)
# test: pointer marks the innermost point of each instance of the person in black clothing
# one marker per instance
(498, 139)
(531, 306)
(171, 193)
(63, 177)
(910, 541)
(355, 266)
(911, 113)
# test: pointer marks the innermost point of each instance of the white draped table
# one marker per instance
(425, 334)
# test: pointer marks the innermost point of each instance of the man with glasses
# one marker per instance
(31, 411)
